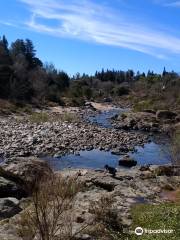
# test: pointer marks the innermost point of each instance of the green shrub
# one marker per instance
(142, 105)
(76, 101)
(120, 91)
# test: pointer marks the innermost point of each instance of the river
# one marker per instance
(155, 152)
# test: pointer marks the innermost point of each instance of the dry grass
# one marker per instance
(39, 117)
(43, 117)
(69, 117)
(7, 108)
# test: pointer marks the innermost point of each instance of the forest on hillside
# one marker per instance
(24, 78)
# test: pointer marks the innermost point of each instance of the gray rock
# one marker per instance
(165, 115)
(145, 121)
(166, 170)
(9, 207)
(9, 188)
(84, 237)
(23, 138)
(25, 171)
(127, 162)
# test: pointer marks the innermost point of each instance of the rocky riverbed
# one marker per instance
(20, 137)
(149, 121)
(22, 141)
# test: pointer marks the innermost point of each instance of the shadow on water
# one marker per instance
(155, 152)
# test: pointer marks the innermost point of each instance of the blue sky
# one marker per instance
(87, 35)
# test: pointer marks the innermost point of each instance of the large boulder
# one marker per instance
(9, 207)
(126, 161)
(166, 170)
(165, 115)
(9, 188)
(177, 119)
(90, 106)
(25, 171)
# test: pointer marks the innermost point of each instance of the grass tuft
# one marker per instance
(39, 117)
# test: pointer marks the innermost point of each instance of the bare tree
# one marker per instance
(50, 215)
(39, 80)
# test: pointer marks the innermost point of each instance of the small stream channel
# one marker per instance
(103, 118)
(155, 152)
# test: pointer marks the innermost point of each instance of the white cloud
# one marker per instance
(8, 23)
(173, 4)
(100, 24)
(168, 3)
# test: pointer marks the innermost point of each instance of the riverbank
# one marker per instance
(126, 190)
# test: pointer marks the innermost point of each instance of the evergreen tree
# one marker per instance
(18, 48)
(5, 44)
(164, 72)
(4, 52)
(30, 53)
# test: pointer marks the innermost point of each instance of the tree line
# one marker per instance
(25, 78)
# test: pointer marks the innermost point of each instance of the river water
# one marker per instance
(155, 152)
(103, 118)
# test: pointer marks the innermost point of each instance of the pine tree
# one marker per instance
(5, 43)
(30, 52)
(31, 55)
(18, 48)
(4, 52)
(164, 72)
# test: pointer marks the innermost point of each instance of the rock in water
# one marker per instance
(127, 162)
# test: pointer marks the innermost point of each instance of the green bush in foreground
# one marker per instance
(163, 216)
